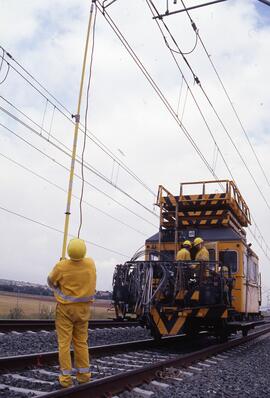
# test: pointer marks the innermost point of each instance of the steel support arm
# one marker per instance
(191, 8)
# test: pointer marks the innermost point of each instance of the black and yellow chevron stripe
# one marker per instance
(169, 321)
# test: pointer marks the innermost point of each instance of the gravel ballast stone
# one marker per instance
(29, 343)
(244, 373)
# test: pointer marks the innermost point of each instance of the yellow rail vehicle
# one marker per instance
(220, 295)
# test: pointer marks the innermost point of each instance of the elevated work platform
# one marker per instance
(203, 208)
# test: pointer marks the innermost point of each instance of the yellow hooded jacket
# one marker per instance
(202, 255)
(74, 281)
(183, 255)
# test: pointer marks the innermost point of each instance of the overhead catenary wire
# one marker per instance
(189, 90)
(2, 58)
(39, 127)
(160, 93)
(48, 181)
(58, 230)
(166, 103)
(266, 248)
(86, 119)
(61, 108)
(185, 52)
(184, 104)
(179, 96)
(66, 151)
(152, 82)
(179, 51)
(237, 150)
(7, 72)
(227, 95)
(76, 175)
(208, 100)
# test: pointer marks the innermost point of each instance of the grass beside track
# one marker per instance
(36, 307)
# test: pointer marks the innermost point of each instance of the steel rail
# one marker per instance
(22, 325)
(21, 362)
(118, 383)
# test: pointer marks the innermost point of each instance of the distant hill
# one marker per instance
(7, 285)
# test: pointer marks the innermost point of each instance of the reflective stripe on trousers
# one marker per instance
(78, 370)
(83, 370)
(66, 372)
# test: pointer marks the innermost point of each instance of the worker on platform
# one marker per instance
(73, 281)
(227, 282)
(202, 253)
(184, 253)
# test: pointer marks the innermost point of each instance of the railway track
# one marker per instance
(34, 325)
(116, 368)
(35, 374)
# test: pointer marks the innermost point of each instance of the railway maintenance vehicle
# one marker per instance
(220, 296)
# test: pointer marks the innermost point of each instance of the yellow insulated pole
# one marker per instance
(75, 139)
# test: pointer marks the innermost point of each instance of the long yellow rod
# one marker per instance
(75, 139)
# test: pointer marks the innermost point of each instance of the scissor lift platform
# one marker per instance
(227, 208)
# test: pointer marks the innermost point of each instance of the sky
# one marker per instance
(128, 118)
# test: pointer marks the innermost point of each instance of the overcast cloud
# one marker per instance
(127, 116)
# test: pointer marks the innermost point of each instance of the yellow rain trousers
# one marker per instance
(72, 326)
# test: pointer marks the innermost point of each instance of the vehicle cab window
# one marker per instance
(229, 258)
(212, 254)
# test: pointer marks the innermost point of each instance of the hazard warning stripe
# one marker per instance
(170, 200)
(205, 197)
(172, 323)
(202, 312)
(225, 314)
(158, 321)
(202, 213)
(167, 323)
(200, 206)
(203, 222)
(195, 295)
(178, 325)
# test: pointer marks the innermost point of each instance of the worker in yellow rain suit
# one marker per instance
(202, 253)
(184, 253)
(73, 282)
